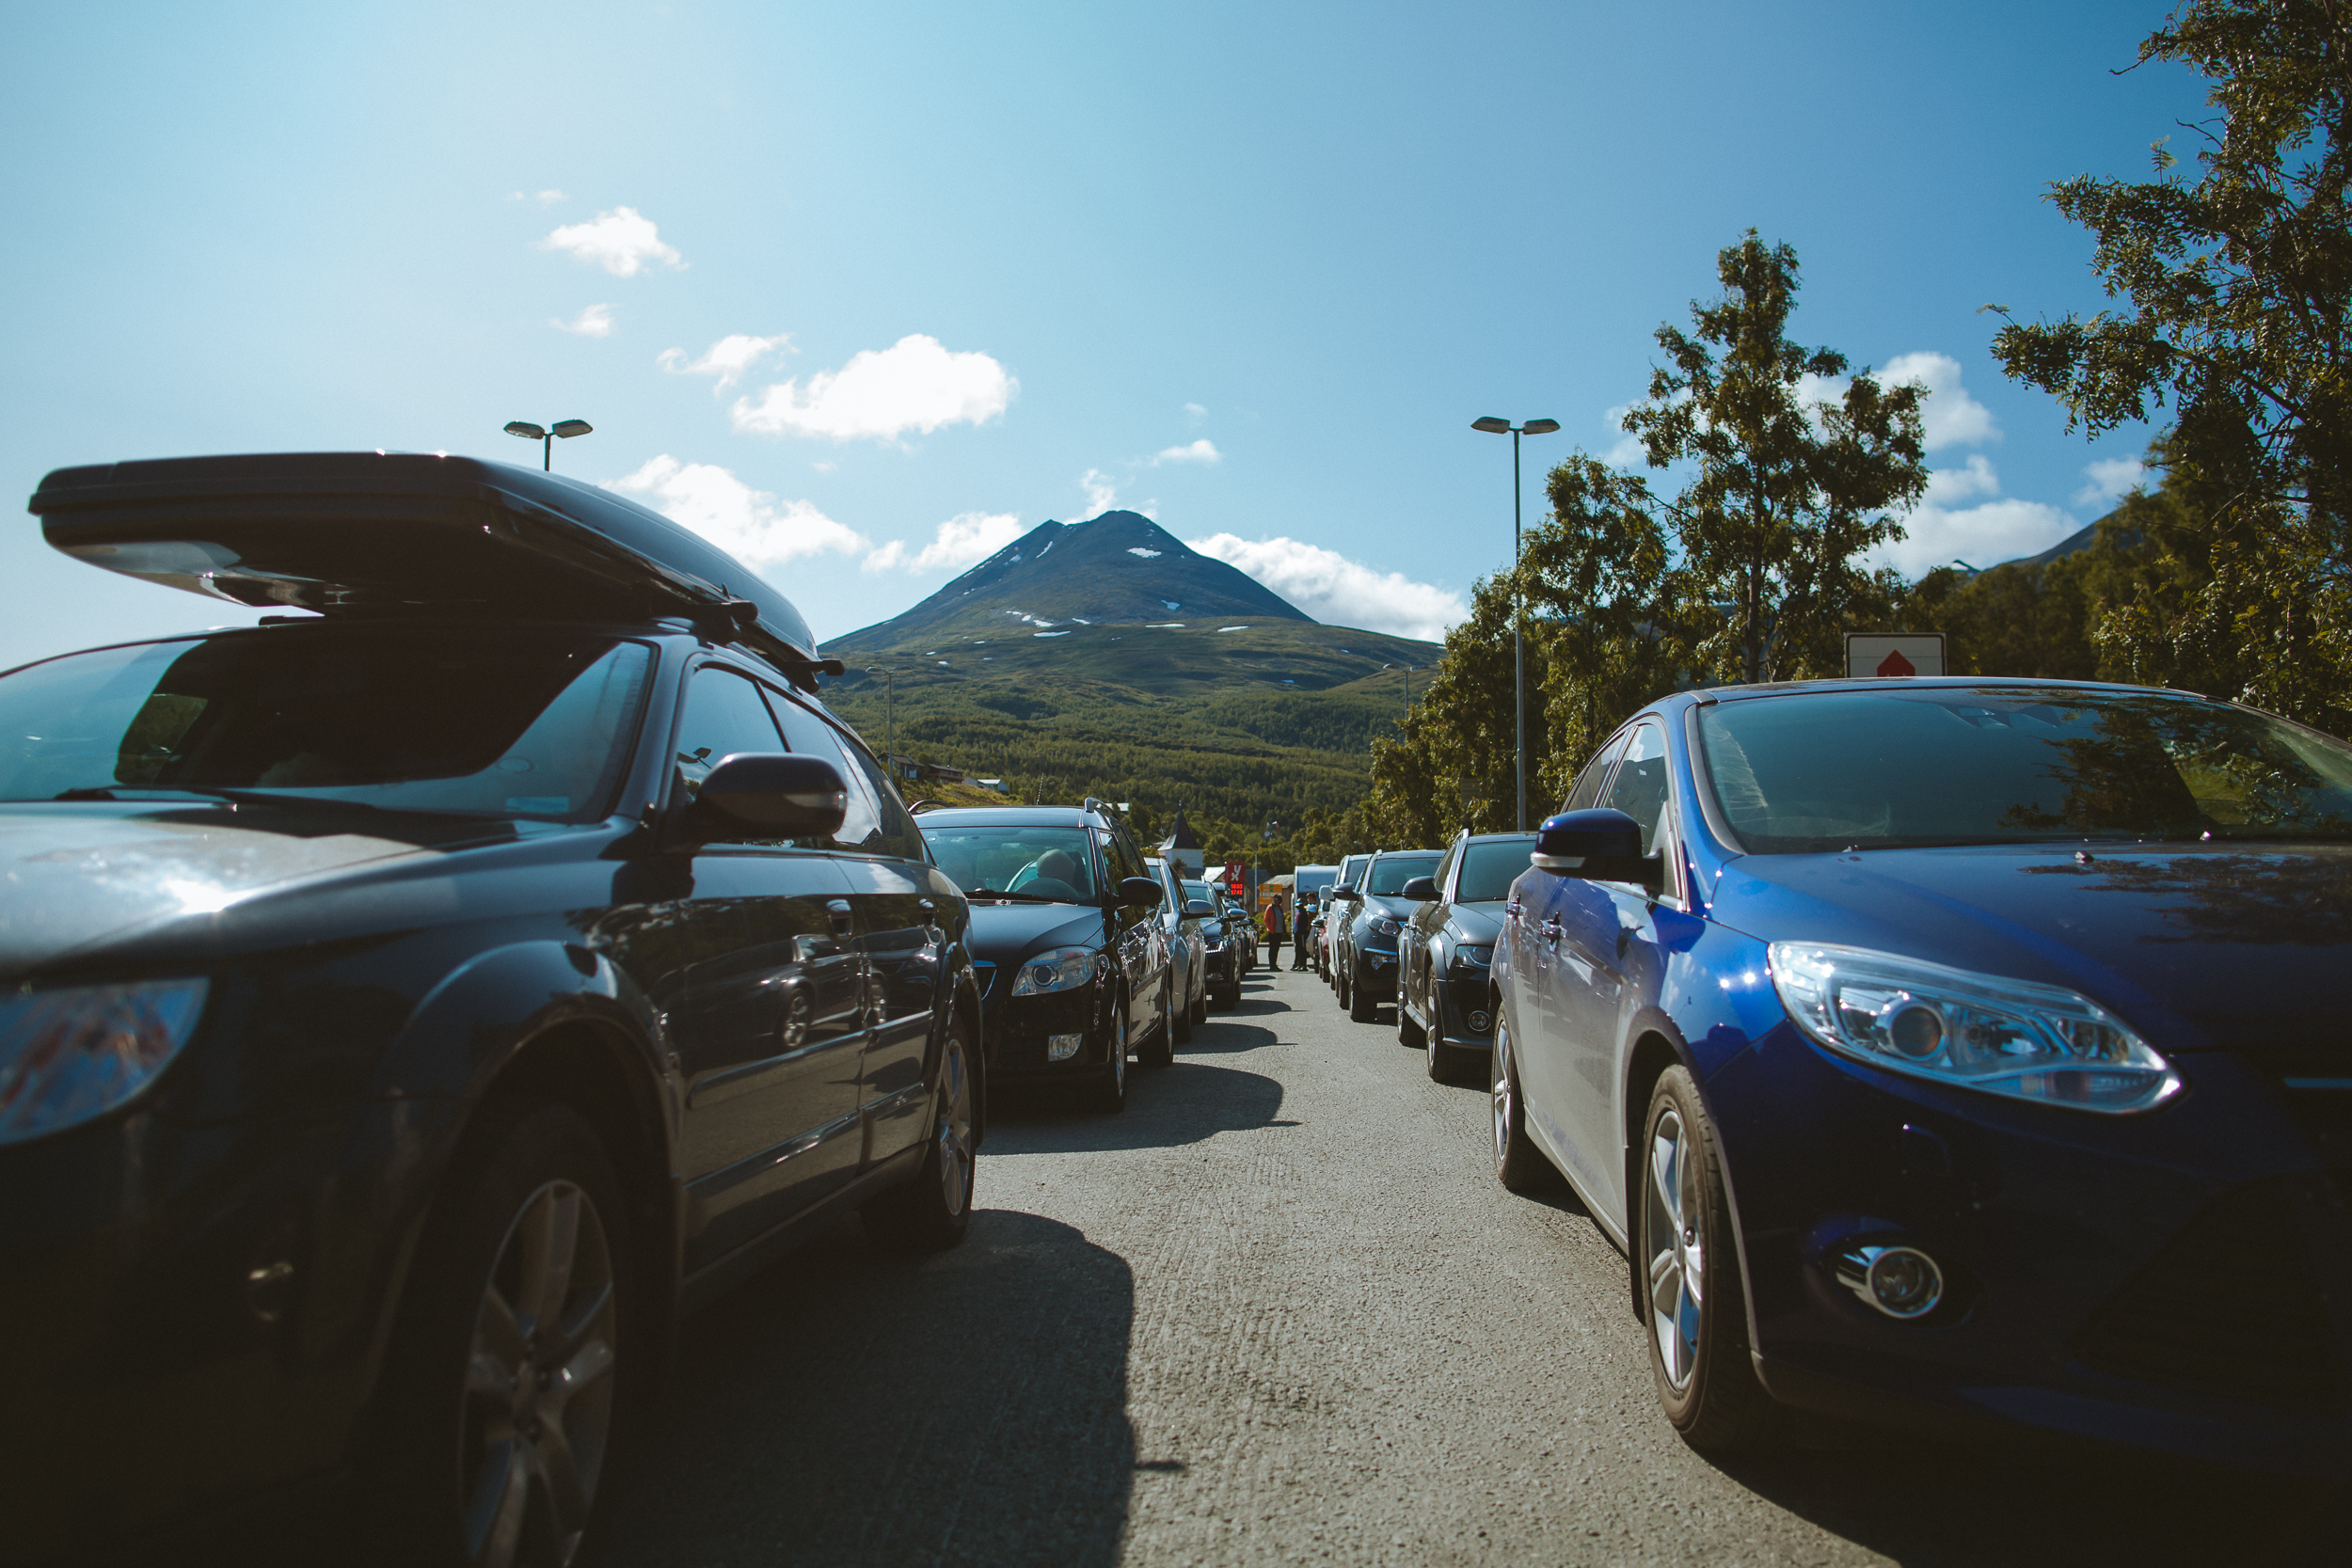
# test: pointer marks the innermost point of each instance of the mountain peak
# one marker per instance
(1119, 568)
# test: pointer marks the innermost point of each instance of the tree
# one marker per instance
(2237, 285)
(1789, 490)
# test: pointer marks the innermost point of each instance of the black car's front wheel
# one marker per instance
(931, 1213)
(1689, 1271)
(1363, 1007)
(506, 1379)
(1110, 1089)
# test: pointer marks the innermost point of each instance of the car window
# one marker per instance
(1489, 867)
(1587, 786)
(1445, 866)
(809, 736)
(1389, 873)
(724, 715)
(486, 722)
(1639, 789)
(1042, 859)
(1123, 862)
(1982, 765)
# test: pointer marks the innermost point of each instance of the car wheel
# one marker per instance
(1362, 1007)
(1159, 1051)
(1182, 1020)
(506, 1379)
(931, 1213)
(1339, 989)
(1110, 1089)
(1200, 1008)
(1698, 1323)
(1409, 1034)
(1518, 1163)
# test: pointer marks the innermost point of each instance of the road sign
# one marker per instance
(1871, 654)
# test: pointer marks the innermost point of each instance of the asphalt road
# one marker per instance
(1281, 1311)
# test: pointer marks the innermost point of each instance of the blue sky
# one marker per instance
(862, 289)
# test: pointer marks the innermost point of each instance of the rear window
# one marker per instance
(1833, 771)
(1489, 869)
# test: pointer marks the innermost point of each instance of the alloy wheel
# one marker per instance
(1500, 1091)
(1677, 1261)
(955, 1129)
(539, 1385)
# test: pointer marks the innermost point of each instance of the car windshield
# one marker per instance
(1489, 869)
(474, 720)
(1814, 773)
(1044, 861)
(1389, 873)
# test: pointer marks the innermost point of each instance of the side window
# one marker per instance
(1118, 857)
(898, 830)
(1595, 772)
(1639, 790)
(811, 736)
(723, 715)
(1445, 866)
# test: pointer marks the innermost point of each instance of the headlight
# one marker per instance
(1382, 926)
(1055, 969)
(2012, 1037)
(69, 1056)
(1474, 957)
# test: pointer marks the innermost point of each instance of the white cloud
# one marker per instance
(1202, 450)
(545, 199)
(1627, 451)
(915, 383)
(1101, 494)
(1973, 478)
(623, 242)
(728, 359)
(1331, 588)
(1983, 535)
(1952, 417)
(748, 524)
(594, 321)
(2111, 479)
(1195, 412)
(963, 540)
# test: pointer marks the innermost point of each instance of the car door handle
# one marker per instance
(1551, 932)
(1625, 939)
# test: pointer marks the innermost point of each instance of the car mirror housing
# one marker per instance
(1345, 895)
(1421, 889)
(1197, 909)
(1602, 845)
(770, 795)
(1140, 890)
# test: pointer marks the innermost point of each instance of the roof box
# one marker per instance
(383, 533)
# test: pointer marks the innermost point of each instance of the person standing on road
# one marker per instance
(1277, 922)
(1299, 924)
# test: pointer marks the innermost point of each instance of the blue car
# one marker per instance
(1957, 1054)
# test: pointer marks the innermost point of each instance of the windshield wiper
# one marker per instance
(1005, 892)
(253, 798)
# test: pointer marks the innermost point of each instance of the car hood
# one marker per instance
(1479, 925)
(75, 878)
(1395, 908)
(1002, 933)
(2197, 945)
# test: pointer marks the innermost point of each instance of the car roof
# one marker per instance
(1497, 838)
(1012, 817)
(1705, 696)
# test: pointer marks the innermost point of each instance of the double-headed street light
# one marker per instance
(545, 435)
(1519, 648)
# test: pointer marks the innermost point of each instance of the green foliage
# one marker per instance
(2238, 285)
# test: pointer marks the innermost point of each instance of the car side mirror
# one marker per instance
(1345, 895)
(1197, 909)
(1601, 844)
(1140, 890)
(1421, 889)
(769, 794)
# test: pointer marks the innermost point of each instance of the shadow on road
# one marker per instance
(1180, 1104)
(853, 1405)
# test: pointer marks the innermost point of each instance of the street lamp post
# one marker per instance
(545, 435)
(890, 707)
(1519, 642)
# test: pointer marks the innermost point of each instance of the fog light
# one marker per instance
(1060, 1048)
(1899, 1281)
(1479, 1023)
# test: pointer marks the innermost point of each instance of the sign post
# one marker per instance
(1872, 654)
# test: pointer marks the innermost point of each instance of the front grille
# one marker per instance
(2231, 1308)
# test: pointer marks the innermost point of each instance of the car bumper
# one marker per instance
(1375, 973)
(2179, 1281)
(1017, 1032)
(1463, 1012)
(188, 1318)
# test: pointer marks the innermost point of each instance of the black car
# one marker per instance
(1066, 935)
(1222, 947)
(409, 1010)
(1444, 1005)
(1374, 912)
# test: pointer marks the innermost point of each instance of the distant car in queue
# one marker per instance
(1221, 945)
(1444, 1007)
(1181, 916)
(409, 1010)
(1331, 926)
(1371, 916)
(1956, 1054)
(1065, 940)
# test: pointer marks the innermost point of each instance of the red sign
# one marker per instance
(1234, 876)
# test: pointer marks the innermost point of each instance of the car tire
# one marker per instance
(1339, 989)
(1181, 1017)
(530, 1232)
(1159, 1051)
(1110, 1085)
(931, 1213)
(1410, 1034)
(1200, 1008)
(1686, 1257)
(1363, 1007)
(1519, 1165)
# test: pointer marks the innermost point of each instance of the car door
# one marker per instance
(898, 896)
(1135, 933)
(1416, 968)
(773, 1000)
(1600, 925)
(1549, 990)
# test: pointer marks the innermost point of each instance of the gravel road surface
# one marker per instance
(1281, 1311)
